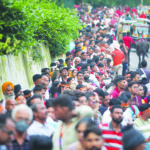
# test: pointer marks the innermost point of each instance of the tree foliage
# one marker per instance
(25, 23)
(109, 3)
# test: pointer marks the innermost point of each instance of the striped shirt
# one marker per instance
(112, 139)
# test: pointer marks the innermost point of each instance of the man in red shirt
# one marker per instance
(120, 84)
(127, 41)
(112, 132)
(118, 57)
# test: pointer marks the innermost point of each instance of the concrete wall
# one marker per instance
(20, 69)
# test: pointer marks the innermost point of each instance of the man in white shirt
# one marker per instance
(40, 126)
(94, 69)
(45, 83)
(106, 116)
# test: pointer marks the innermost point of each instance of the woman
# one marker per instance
(20, 99)
(55, 76)
(74, 74)
(54, 88)
(81, 126)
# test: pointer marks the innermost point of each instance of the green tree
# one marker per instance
(25, 23)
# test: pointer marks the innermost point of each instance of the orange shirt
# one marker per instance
(118, 57)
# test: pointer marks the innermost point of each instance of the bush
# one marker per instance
(26, 23)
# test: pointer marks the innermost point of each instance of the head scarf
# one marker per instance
(6, 84)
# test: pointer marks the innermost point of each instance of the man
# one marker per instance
(45, 81)
(7, 129)
(77, 52)
(68, 62)
(39, 89)
(53, 67)
(46, 84)
(69, 55)
(81, 98)
(143, 123)
(22, 112)
(8, 92)
(93, 140)
(36, 98)
(120, 84)
(64, 111)
(100, 67)
(100, 93)
(93, 102)
(119, 31)
(50, 109)
(144, 73)
(23, 116)
(80, 80)
(76, 61)
(10, 105)
(83, 58)
(81, 87)
(8, 89)
(105, 103)
(39, 125)
(135, 77)
(106, 118)
(18, 89)
(112, 133)
(91, 51)
(47, 74)
(91, 99)
(118, 57)
(64, 74)
(27, 94)
(133, 89)
(125, 51)
(133, 139)
(45, 70)
(80, 77)
(94, 69)
(130, 111)
(51, 118)
(127, 41)
(87, 76)
(37, 79)
(61, 88)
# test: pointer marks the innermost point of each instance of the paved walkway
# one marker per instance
(134, 60)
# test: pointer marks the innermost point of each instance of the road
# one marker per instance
(134, 60)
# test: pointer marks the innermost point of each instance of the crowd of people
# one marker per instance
(88, 101)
